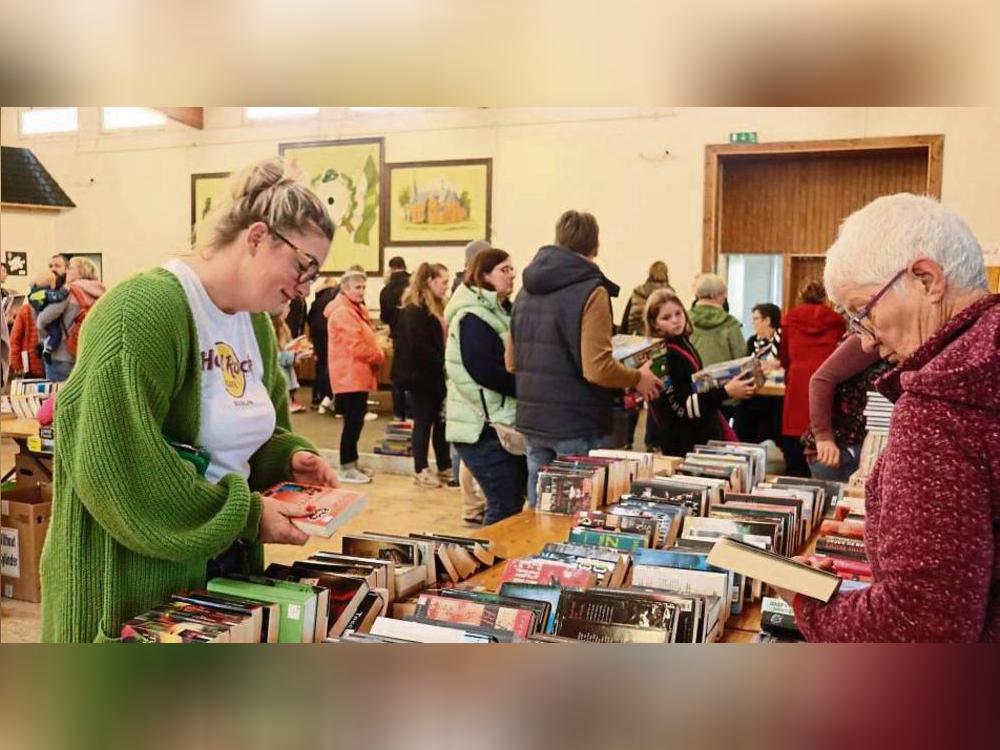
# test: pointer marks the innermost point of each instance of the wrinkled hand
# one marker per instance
(824, 564)
(649, 386)
(742, 387)
(827, 453)
(308, 468)
(275, 526)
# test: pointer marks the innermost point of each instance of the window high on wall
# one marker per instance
(123, 118)
(263, 114)
(48, 120)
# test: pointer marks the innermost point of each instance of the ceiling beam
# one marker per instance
(193, 117)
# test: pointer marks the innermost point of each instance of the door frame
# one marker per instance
(716, 156)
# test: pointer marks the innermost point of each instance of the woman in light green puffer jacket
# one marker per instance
(480, 389)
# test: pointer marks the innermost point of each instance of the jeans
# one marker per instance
(542, 451)
(58, 370)
(501, 476)
(428, 420)
(355, 405)
(850, 458)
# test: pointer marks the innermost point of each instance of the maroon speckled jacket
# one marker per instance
(933, 501)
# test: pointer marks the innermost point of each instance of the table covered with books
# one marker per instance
(624, 547)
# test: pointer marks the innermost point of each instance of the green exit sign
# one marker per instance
(749, 136)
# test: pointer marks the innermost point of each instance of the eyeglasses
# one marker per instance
(309, 270)
(854, 324)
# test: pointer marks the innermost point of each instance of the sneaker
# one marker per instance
(370, 416)
(366, 471)
(295, 407)
(448, 476)
(426, 479)
(354, 476)
(325, 405)
(475, 520)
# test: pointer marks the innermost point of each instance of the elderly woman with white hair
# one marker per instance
(910, 274)
(353, 359)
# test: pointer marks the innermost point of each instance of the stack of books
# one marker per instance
(717, 375)
(398, 440)
(574, 483)
(878, 412)
(28, 394)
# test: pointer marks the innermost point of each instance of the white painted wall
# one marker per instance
(133, 201)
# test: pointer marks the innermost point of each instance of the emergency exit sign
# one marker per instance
(748, 136)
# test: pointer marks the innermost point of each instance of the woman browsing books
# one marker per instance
(182, 354)
(685, 418)
(481, 391)
(910, 273)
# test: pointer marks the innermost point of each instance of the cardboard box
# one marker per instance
(24, 520)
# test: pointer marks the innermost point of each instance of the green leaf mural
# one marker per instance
(370, 211)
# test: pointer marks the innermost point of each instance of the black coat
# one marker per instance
(389, 297)
(418, 352)
(317, 320)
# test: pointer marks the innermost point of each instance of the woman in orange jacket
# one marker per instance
(353, 356)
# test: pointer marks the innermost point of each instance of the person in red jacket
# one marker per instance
(810, 332)
(353, 359)
(911, 274)
(24, 338)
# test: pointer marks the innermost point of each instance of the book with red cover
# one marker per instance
(478, 614)
(546, 573)
(329, 507)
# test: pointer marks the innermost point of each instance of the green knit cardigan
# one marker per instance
(133, 522)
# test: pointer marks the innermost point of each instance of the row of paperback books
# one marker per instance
(398, 440)
(315, 599)
(573, 483)
(28, 394)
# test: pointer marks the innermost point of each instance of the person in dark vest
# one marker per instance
(388, 311)
(560, 349)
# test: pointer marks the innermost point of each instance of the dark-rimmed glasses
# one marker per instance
(854, 324)
(309, 270)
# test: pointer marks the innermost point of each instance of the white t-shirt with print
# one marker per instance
(237, 416)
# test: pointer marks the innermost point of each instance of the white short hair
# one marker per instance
(709, 286)
(878, 241)
(350, 276)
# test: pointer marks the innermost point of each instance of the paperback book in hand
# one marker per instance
(328, 508)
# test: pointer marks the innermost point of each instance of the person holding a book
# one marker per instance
(418, 365)
(559, 348)
(290, 351)
(176, 417)
(354, 358)
(758, 418)
(481, 392)
(684, 417)
(910, 274)
(810, 332)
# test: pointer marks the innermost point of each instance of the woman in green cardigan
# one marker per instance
(183, 354)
